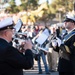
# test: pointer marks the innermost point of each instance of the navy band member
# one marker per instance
(11, 60)
(66, 65)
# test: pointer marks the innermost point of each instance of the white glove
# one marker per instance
(54, 43)
(58, 41)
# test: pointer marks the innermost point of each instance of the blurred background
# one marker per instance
(37, 12)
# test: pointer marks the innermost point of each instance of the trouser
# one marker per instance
(66, 73)
(44, 62)
(49, 58)
(54, 60)
(52, 57)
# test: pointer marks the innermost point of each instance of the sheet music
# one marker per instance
(46, 32)
(41, 39)
(18, 25)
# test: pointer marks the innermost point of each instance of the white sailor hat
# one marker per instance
(70, 17)
(6, 24)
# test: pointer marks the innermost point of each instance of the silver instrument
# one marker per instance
(18, 40)
(20, 37)
(18, 25)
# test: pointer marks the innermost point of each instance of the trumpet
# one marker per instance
(17, 41)
(20, 37)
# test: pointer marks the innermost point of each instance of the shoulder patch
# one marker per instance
(74, 44)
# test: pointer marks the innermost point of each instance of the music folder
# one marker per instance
(41, 39)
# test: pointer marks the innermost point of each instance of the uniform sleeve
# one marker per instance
(71, 45)
(17, 60)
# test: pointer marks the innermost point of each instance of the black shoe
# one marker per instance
(40, 73)
(48, 73)
(53, 71)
